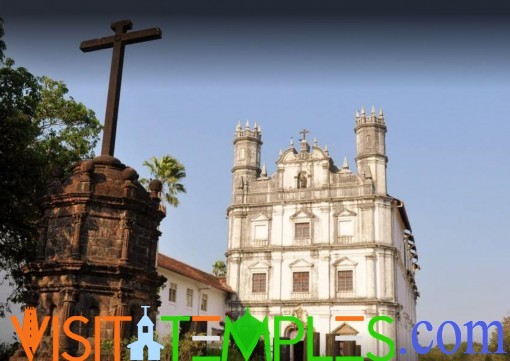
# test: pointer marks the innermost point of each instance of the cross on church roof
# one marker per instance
(117, 42)
(304, 132)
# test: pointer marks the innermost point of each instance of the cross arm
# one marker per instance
(97, 44)
(142, 35)
(127, 38)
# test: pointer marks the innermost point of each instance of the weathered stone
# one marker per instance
(97, 250)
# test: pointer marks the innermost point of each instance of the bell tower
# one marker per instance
(371, 158)
(247, 145)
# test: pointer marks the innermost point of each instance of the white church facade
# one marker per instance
(314, 239)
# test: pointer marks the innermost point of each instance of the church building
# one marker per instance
(314, 239)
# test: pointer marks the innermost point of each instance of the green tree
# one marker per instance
(506, 340)
(219, 268)
(170, 172)
(40, 129)
(2, 43)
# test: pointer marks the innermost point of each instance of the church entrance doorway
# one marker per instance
(342, 346)
(297, 350)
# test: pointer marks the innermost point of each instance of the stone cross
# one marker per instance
(304, 132)
(117, 42)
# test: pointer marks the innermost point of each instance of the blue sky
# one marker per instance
(444, 86)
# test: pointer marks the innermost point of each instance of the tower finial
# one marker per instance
(291, 141)
(362, 110)
(247, 126)
(263, 172)
(315, 141)
(372, 112)
(238, 126)
(345, 167)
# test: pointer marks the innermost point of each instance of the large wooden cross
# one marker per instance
(117, 42)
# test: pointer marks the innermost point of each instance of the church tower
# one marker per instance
(371, 158)
(247, 144)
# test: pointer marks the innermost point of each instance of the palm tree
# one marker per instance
(169, 171)
(219, 269)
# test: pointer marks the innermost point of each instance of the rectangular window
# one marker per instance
(300, 282)
(261, 232)
(172, 292)
(302, 230)
(203, 303)
(258, 283)
(189, 297)
(345, 228)
(345, 281)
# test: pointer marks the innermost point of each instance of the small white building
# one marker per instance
(189, 291)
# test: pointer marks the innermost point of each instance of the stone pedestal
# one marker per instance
(97, 250)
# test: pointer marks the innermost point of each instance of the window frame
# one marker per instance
(262, 289)
(344, 264)
(204, 302)
(301, 288)
(338, 278)
(172, 286)
(302, 237)
(189, 297)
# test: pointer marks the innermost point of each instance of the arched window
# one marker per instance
(93, 313)
(302, 180)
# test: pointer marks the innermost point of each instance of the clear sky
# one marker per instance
(443, 82)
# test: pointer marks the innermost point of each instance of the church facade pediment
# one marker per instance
(345, 330)
(260, 218)
(345, 213)
(287, 156)
(259, 266)
(345, 261)
(301, 263)
(303, 214)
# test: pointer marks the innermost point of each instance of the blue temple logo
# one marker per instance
(145, 339)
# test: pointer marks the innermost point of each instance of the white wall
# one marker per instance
(215, 301)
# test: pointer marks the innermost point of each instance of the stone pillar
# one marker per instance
(69, 298)
(234, 272)
(123, 310)
(75, 244)
(154, 245)
(43, 236)
(127, 225)
(371, 286)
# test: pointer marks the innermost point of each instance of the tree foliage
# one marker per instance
(2, 43)
(506, 340)
(219, 269)
(170, 172)
(436, 354)
(40, 129)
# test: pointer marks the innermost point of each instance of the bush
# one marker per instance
(7, 350)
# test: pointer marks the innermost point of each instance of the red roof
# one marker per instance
(184, 269)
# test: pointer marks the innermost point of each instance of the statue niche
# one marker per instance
(302, 180)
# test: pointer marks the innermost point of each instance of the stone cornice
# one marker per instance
(309, 247)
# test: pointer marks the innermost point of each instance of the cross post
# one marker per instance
(304, 132)
(117, 42)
